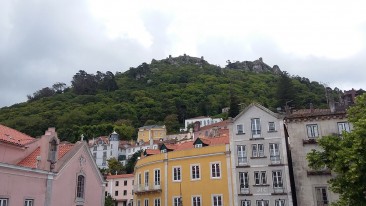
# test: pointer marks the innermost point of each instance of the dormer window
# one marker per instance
(163, 151)
(52, 154)
(198, 145)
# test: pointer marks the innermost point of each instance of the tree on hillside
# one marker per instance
(45, 92)
(345, 156)
(84, 83)
(59, 87)
(234, 105)
(115, 167)
(285, 90)
(171, 122)
(130, 166)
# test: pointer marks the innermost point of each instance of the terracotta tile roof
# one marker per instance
(13, 136)
(30, 160)
(313, 113)
(171, 146)
(120, 176)
(218, 124)
(152, 151)
(104, 139)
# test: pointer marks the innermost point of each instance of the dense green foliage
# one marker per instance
(345, 156)
(161, 92)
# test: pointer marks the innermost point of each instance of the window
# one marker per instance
(244, 182)
(125, 183)
(262, 202)
(274, 152)
(105, 147)
(312, 130)
(176, 173)
(271, 127)
(242, 155)
(80, 187)
(245, 203)
(195, 172)
(117, 183)
(196, 201)
(146, 178)
(257, 150)
(124, 192)
(279, 202)
(157, 177)
(176, 201)
(277, 179)
(95, 148)
(217, 200)
(197, 145)
(4, 201)
(260, 178)
(343, 126)
(256, 127)
(157, 202)
(116, 193)
(321, 196)
(146, 202)
(138, 202)
(163, 151)
(240, 129)
(215, 170)
(139, 179)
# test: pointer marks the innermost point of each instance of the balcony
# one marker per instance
(147, 188)
(244, 190)
(275, 160)
(242, 162)
(278, 189)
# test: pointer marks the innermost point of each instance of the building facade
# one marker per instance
(46, 172)
(103, 148)
(191, 173)
(155, 132)
(304, 128)
(204, 121)
(120, 188)
(259, 158)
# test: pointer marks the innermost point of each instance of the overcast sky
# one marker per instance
(44, 41)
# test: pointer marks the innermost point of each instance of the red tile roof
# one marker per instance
(152, 151)
(30, 160)
(120, 176)
(218, 124)
(13, 136)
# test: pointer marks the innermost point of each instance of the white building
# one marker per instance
(127, 149)
(104, 148)
(259, 158)
(204, 121)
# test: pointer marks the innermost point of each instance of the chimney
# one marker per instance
(49, 150)
(196, 126)
(331, 105)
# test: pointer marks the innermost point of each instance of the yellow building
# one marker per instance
(154, 132)
(196, 173)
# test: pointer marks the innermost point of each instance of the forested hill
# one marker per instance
(163, 92)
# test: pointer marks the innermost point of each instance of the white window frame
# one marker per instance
(157, 177)
(146, 202)
(272, 127)
(343, 126)
(239, 129)
(176, 200)
(217, 200)
(146, 178)
(262, 203)
(243, 180)
(197, 145)
(258, 150)
(195, 172)
(277, 179)
(242, 155)
(138, 202)
(280, 202)
(256, 127)
(139, 179)
(319, 196)
(312, 131)
(274, 152)
(157, 202)
(177, 173)
(80, 188)
(196, 200)
(4, 201)
(215, 170)
(245, 203)
(260, 178)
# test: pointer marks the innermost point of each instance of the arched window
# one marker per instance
(80, 187)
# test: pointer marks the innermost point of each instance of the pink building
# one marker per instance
(120, 187)
(45, 172)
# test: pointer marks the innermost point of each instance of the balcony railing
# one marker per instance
(146, 187)
(278, 188)
(275, 160)
(244, 189)
(242, 161)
